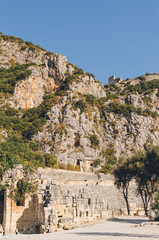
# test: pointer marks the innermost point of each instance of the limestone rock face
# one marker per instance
(67, 134)
(47, 75)
(135, 100)
(88, 85)
(73, 119)
(133, 134)
(72, 140)
(12, 51)
(29, 93)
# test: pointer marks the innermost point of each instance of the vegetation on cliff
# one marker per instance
(76, 114)
(25, 44)
(146, 88)
(127, 109)
(10, 76)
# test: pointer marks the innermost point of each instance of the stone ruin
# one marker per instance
(113, 79)
(64, 200)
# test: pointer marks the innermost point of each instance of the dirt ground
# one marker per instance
(123, 228)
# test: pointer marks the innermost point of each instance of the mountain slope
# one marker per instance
(52, 103)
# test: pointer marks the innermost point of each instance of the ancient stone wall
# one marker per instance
(22, 217)
(66, 199)
(24, 214)
(72, 198)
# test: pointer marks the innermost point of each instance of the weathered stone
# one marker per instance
(67, 132)
(153, 213)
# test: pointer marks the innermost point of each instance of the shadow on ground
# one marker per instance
(116, 234)
(119, 234)
(133, 221)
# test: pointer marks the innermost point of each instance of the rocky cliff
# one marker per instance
(69, 113)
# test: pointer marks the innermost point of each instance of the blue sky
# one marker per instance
(104, 37)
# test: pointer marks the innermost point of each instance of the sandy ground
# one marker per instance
(122, 228)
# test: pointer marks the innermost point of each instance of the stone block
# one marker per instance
(65, 220)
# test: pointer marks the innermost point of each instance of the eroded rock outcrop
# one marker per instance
(47, 75)
(67, 134)
(85, 120)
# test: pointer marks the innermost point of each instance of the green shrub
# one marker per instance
(36, 117)
(11, 112)
(123, 109)
(94, 140)
(19, 40)
(39, 47)
(110, 160)
(147, 99)
(2, 186)
(127, 109)
(90, 99)
(34, 146)
(50, 160)
(69, 79)
(23, 48)
(10, 76)
(12, 123)
(147, 92)
(70, 167)
(32, 119)
(79, 71)
(90, 75)
(112, 87)
(32, 48)
(17, 151)
(96, 162)
(108, 153)
(11, 38)
(23, 187)
(142, 87)
(108, 166)
(153, 114)
(77, 168)
(73, 65)
(81, 105)
(30, 45)
(48, 53)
